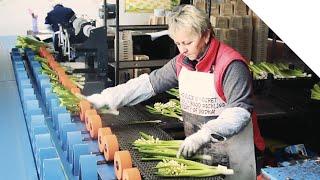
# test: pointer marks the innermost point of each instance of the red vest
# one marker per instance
(219, 56)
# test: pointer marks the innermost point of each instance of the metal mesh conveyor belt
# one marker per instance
(127, 133)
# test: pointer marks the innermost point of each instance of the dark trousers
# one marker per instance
(59, 56)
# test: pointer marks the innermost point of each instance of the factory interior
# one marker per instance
(157, 89)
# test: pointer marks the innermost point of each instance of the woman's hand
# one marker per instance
(98, 100)
(193, 142)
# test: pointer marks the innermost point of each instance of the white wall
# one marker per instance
(15, 19)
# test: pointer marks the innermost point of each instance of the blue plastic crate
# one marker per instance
(307, 169)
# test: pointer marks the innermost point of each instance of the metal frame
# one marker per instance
(117, 65)
(116, 70)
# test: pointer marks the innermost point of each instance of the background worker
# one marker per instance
(34, 17)
(59, 15)
(215, 89)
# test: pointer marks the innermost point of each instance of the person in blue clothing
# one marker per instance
(59, 15)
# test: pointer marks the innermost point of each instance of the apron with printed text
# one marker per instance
(200, 103)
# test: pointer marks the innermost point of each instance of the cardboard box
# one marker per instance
(200, 4)
(231, 37)
(240, 8)
(138, 72)
(125, 54)
(235, 22)
(226, 9)
(219, 21)
(156, 20)
(259, 40)
(245, 42)
(215, 9)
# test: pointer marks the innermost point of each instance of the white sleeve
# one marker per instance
(229, 122)
(130, 93)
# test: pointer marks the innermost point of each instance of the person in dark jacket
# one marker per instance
(59, 15)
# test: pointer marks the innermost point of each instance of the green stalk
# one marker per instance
(174, 92)
(174, 167)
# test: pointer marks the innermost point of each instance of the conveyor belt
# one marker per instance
(15, 153)
(54, 138)
(127, 134)
(104, 171)
(48, 162)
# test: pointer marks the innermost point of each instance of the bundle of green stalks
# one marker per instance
(315, 92)
(175, 167)
(169, 109)
(174, 92)
(65, 96)
(257, 72)
(30, 42)
(150, 147)
(78, 80)
(278, 70)
(153, 149)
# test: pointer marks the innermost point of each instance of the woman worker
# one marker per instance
(215, 89)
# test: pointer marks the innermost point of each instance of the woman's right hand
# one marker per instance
(98, 100)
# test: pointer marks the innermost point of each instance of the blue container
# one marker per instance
(55, 112)
(27, 97)
(29, 105)
(67, 127)
(53, 103)
(15, 50)
(88, 166)
(52, 169)
(73, 138)
(42, 141)
(36, 120)
(39, 130)
(62, 118)
(45, 153)
(78, 150)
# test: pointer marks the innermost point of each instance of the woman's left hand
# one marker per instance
(193, 142)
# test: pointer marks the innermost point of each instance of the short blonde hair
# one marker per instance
(189, 17)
